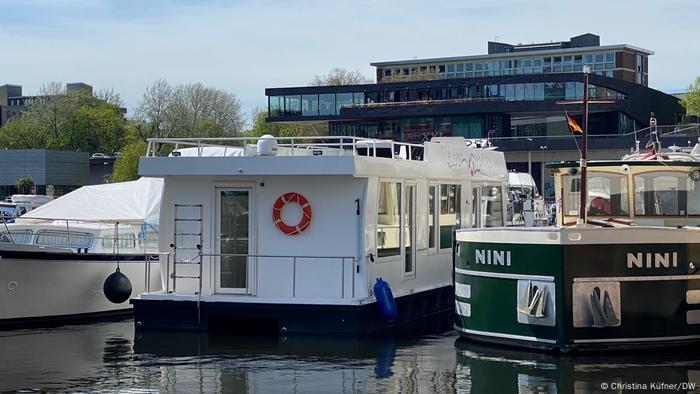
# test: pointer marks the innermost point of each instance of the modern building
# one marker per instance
(512, 95)
(54, 173)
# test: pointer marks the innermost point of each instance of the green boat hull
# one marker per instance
(571, 289)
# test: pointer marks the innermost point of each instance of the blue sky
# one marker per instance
(245, 46)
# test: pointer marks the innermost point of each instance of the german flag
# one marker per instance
(573, 126)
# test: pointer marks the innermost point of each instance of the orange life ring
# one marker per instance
(305, 217)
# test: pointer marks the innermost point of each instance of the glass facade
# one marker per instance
(419, 129)
(330, 104)
(326, 104)
(601, 63)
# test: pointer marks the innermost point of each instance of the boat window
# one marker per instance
(409, 229)
(61, 239)
(475, 207)
(7, 212)
(666, 194)
(432, 217)
(607, 194)
(491, 206)
(450, 213)
(389, 219)
(17, 236)
(125, 241)
(149, 241)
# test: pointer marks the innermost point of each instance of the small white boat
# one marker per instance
(525, 204)
(55, 259)
(313, 235)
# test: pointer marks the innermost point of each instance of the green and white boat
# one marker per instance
(626, 278)
(621, 273)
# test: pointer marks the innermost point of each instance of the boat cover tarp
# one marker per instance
(212, 151)
(136, 202)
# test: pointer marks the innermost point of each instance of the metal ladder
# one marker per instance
(197, 259)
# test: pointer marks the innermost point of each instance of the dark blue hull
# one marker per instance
(286, 319)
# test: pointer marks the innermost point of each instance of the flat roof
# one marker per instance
(522, 54)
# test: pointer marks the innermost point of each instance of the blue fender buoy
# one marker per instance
(385, 300)
(117, 287)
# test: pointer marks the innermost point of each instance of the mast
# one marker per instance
(584, 150)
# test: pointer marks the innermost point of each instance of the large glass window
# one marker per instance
(389, 219)
(554, 90)
(276, 105)
(309, 105)
(539, 91)
(326, 104)
(343, 100)
(358, 98)
(450, 213)
(292, 105)
(666, 194)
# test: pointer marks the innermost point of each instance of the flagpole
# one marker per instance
(584, 150)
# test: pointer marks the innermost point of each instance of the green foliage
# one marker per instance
(261, 127)
(126, 167)
(75, 121)
(691, 101)
(24, 185)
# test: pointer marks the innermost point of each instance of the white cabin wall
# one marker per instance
(334, 231)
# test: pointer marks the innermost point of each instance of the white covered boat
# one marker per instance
(55, 259)
(293, 235)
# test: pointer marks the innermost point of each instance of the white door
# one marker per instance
(234, 240)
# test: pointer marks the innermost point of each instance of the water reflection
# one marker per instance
(107, 357)
(482, 368)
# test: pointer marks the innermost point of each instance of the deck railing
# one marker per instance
(280, 265)
(295, 146)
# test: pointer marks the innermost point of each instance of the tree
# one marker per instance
(66, 121)
(187, 111)
(110, 96)
(340, 76)
(691, 101)
(126, 167)
(24, 185)
(261, 127)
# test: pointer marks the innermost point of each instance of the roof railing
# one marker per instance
(297, 146)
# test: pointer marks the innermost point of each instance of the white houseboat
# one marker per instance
(294, 235)
(54, 260)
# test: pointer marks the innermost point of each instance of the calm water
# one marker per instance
(107, 357)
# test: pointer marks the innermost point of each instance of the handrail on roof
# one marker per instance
(341, 143)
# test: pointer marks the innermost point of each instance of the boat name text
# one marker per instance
(492, 257)
(652, 260)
